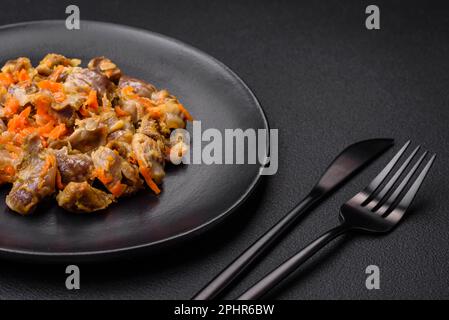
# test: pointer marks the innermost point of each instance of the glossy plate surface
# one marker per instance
(194, 197)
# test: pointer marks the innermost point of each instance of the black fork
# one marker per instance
(376, 209)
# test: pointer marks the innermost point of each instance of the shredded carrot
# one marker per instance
(102, 176)
(59, 96)
(50, 161)
(46, 129)
(6, 79)
(92, 101)
(12, 105)
(9, 170)
(59, 183)
(22, 75)
(50, 85)
(128, 91)
(185, 112)
(20, 121)
(120, 112)
(42, 104)
(56, 73)
(147, 176)
(117, 189)
(147, 103)
(58, 131)
(154, 112)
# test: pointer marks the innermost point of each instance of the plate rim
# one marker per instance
(188, 234)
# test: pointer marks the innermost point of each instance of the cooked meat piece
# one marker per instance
(171, 114)
(59, 144)
(149, 155)
(153, 128)
(132, 108)
(36, 176)
(140, 87)
(66, 115)
(89, 135)
(118, 176)
(113, 123)
(52, 60)
(106, 67)
(74, 167)
(121, 136)
(13, 66)
(124, 149)
(82, 197)
(2, 126)
(85, 80)
(23, 94)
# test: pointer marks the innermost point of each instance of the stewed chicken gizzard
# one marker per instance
(86, 136)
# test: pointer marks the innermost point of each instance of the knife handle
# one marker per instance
(256, 250)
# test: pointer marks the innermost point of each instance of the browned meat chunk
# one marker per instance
(106, 67)
(82, 197)
(85, 80)
(140, 87)
(52, 60)
(89, 135)
(66, 115)
(13, 66)
(35, 177)
(74, 167)
(118, 176)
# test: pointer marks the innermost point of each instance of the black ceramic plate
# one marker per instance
(194, 197)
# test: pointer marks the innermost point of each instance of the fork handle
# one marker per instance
(290, 265)
(256, 250)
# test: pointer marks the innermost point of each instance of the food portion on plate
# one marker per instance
(86, 136)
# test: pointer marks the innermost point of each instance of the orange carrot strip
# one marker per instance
(147, 176)
(120, 112)
(50, 85)
(117, 189)
(92, 101)
(6, 79)
(50, 161)
(128, 91)
(58, 131)
(46, 129)
(59, 96)
(23, 75)
(12, 105)
(59, 183)
(56, 73)
(101, 175)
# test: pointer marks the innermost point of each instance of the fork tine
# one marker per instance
(398, 212)
(377, 181)
(376, 200)
(394, 196)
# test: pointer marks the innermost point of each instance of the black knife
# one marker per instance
(344, 167)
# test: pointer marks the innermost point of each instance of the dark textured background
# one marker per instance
(325, 82)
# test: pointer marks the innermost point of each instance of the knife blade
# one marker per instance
(350, 161)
